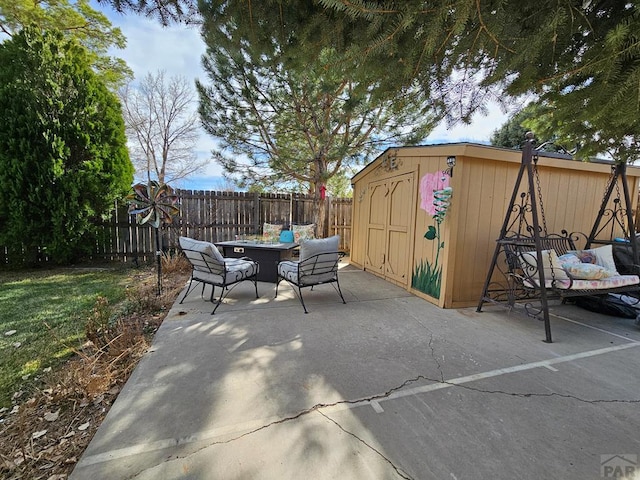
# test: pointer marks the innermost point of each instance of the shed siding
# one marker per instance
(483, 181)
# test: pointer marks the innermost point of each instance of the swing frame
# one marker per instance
(509, 284)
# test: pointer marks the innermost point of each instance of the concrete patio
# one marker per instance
(387, 386)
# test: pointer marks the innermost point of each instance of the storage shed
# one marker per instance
(427, 218)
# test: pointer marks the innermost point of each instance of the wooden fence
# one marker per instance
(215, 217)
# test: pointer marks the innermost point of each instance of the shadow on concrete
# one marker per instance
(386, 386)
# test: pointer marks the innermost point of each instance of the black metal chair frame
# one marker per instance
(320, 264)
(205, 263)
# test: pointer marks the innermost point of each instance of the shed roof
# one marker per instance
(490, 152)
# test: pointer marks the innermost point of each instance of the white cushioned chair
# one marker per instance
(210, 267)
(318, 264)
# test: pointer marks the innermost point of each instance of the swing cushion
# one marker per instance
(555, 268)
(569, 259)
(604, 284)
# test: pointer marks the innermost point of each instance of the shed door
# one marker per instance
(376, 228)
(391, 204)
(400, 205)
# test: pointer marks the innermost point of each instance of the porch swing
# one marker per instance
(515, 279)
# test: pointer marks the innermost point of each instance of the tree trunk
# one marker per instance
(319, 211)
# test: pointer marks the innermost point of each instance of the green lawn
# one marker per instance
(48, 310)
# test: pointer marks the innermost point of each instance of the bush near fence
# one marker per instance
(215, 217)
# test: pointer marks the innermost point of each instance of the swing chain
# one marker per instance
(544, 220)
(539, 188)
(612, 176)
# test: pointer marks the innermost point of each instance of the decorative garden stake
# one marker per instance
(435, 195)
(154, 204)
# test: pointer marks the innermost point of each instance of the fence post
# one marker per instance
(257, 214)
(329, 219)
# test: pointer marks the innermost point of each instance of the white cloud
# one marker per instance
(478, 131)
(151, 47)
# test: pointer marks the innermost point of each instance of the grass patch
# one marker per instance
(92, 327)
(48, 310)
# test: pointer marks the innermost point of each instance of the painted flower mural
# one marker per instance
(435, 198)
(429, 184)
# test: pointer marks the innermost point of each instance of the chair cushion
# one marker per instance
(317, 270)
(237, 270)
(200, 246)
(313, 247)
(298, 274)
(288, 270)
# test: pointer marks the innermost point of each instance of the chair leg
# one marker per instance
(339, 291)
(298, 293)
(302, 300)
(277, 285)
(255, 284)
(219, 301)
(188, 291)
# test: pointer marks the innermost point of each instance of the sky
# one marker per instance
(178, 49)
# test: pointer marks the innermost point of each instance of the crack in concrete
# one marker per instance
(435, 359)
(549, 394)
(319, 406)
(502, 392)
(371, 447)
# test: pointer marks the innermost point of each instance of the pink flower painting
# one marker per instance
(430, 183)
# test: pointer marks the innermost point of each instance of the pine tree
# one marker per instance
(580, 58)
(165, 11)
(290, 104)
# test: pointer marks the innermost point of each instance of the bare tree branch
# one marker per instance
(162, 127)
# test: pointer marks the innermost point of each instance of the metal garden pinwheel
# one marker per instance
(154, 203)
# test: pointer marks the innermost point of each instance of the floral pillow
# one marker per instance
(569, 259)
(303, 232)
(587, 271)
(271, 232)
(602, 256)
